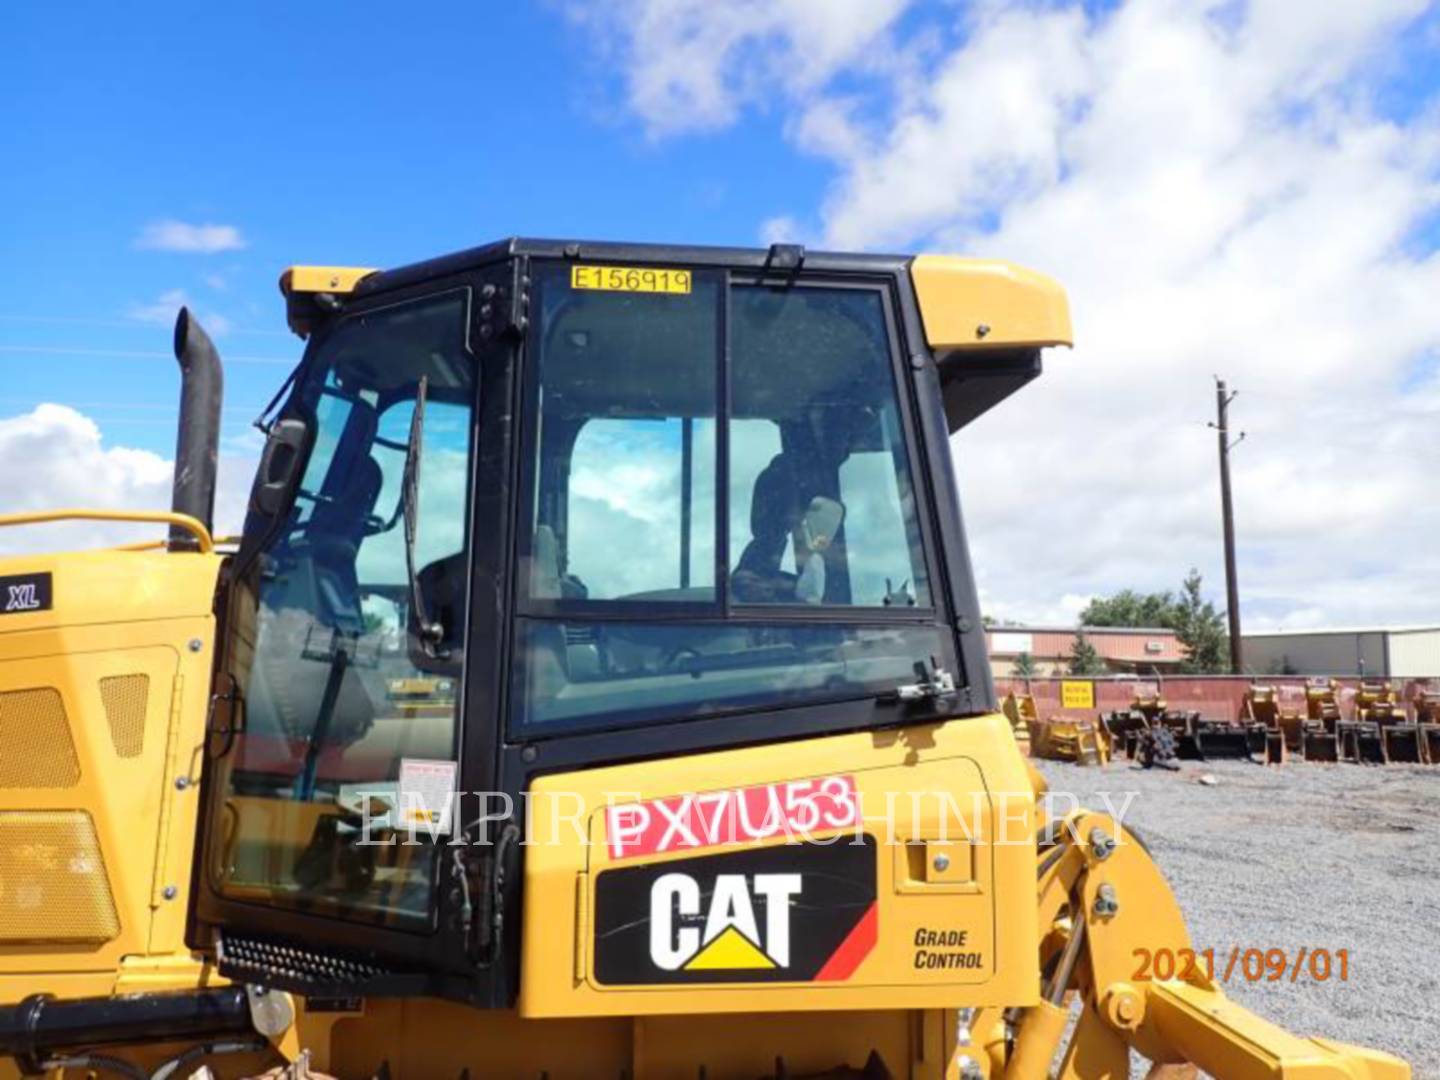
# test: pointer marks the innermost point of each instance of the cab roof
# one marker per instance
(965, 303)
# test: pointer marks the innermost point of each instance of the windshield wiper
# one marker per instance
(431, 633)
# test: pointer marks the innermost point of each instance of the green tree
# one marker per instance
(1025, 666)
(1130, 608)
(1197, 624)
(1201, 630)
(1084, 659)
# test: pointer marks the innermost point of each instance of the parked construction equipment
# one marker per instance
(1427, 720)
(1322, 720)
(1195, 738)
(1071, 738)
(458, 767)
(1284, 729)
(1020, 710)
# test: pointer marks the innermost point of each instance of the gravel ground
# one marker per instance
(1313, 856)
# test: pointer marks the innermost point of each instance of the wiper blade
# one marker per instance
(431, 633)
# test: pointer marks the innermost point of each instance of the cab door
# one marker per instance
(347, 700)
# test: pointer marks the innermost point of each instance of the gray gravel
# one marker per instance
(1314, 856)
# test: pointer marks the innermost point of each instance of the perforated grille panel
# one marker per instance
(36, 750)
(125, 697)
(52, 879)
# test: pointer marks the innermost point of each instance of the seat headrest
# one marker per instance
(775, 502)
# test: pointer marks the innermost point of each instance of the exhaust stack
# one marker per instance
(197, 444)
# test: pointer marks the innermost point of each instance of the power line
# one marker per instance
(130, 354)
(123, 324)
(107, 405)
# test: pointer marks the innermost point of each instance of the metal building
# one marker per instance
(1411, 652)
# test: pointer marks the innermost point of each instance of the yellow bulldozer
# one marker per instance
(597, 688)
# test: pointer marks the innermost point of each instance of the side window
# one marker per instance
(829, 516)
(624, 465)
(338, 687)
(627, 613)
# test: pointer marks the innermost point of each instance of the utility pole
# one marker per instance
(1227, 515)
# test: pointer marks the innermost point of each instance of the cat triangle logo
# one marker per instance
(731, 951)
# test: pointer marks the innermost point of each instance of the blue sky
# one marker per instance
(1248, 187)
(375, 139)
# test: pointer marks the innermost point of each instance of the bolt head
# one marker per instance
(196, 644)
(181, 783)
(170, 892)
(942, 863)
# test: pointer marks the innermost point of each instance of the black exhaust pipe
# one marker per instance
(197, 445)
(40, 1027)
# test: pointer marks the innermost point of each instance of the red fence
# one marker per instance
(1214, 697)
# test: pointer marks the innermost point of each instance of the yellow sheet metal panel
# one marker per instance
(987, 303)
(318, 279)
(863, 910)
(109, 586)
(105, 681)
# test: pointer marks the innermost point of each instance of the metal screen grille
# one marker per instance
(36, 750)
(125, 698)
(52, 879)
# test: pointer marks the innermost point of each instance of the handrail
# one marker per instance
(156, 517)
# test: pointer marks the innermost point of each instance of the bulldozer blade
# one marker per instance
(1401, 743)
(1322, 746)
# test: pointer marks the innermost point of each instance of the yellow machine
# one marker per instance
(1381, 731)
(1284, 729)
(1322, 720)
(1020, 710)
(597, 689)
(1082, 740)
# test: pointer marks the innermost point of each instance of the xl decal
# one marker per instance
(24, 592)
(787, 913)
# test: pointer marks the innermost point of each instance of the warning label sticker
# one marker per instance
(426, 793)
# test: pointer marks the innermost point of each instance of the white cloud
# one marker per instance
(162, 312)
(1216, 187)
(781, 229)
(181, 236)
(692, 65)
(55, 457)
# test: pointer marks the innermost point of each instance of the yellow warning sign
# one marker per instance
(730, 951)
(1077, 694)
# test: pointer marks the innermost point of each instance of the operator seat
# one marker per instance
(332, 542)
(775, 510)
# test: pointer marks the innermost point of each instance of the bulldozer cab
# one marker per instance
(541, 507)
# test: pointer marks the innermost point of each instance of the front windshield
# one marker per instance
(341, 700)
